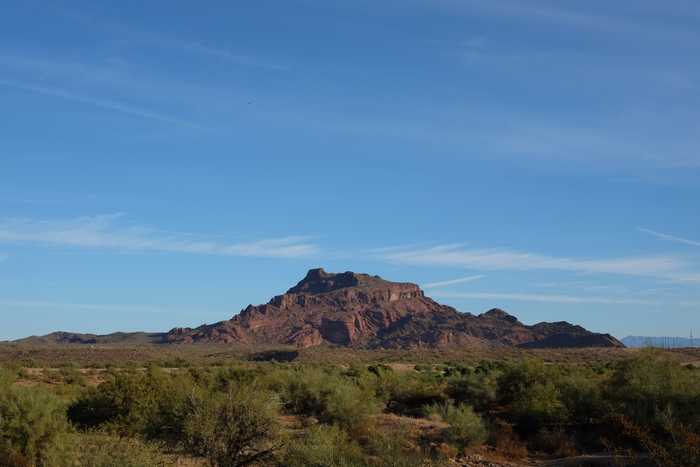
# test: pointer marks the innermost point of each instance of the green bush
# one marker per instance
(331, 398)
(32, 428)
(581, 393)
(152, 404)
(646, 387)
(117, 401)
(407, 393)
(102, 450)
(398, 446)
(530, 392)
(465, 427)
(234, 429)
(540, 406)
(72, 375)
(475, 389)
(324, 446)
(7, 377)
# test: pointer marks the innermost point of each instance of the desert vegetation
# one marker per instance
(642, 410)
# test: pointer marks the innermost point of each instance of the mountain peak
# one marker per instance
(319, 281)
(497, 313)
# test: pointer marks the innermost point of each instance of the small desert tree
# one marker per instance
(234, 429)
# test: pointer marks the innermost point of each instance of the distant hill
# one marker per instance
(117, 338)
(660, 341)
(359, 311)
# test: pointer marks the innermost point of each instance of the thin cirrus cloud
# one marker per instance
(147, 38)
(671, 238)
(104, 231)
(105, 104)
(461, 280)
(543, 298)
(584, 20)
(455, 255)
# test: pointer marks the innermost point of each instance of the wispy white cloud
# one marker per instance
(668, 237)
(455, 255)
(496, 259)
(582, 17)
(524, 297)
(693, 278)
(218, 52)
(585, 286)
(99, 102)
(149, 38)
(104, 231)
(461, 280)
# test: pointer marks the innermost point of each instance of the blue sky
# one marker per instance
(166, 163)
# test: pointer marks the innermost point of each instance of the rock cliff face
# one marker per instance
(363, 311)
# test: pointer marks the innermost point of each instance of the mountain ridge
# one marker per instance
(361, 311)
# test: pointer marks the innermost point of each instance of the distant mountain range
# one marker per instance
(660, 341)
(359, 311)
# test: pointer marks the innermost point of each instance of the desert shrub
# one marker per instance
(301, 390)
(466, 428)
(102, 450)
(152, 404)
(581, 393)
(408, 393)
(234, 429)
(379, 369)
(115, 401)
(32, 428)
(475, 389)
(7, 377)
(680, 448)
(555, 442)
(228, 377)
(517, 379)
(398, 446)
(530, 392)
(72, 375)
(322, 446)
(169, 405)
(202, 377)
(506, 442)
(539, 406)
(646, 387)
(331, 398)
(176, 362)
(348, 406)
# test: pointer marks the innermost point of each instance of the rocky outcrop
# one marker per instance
(362, 311)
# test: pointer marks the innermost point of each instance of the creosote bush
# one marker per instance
(329, 397)
(102, 450)
(235, 429)
(465, 429)
(324, 445)
(33, 428)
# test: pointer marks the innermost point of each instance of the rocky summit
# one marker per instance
(363, 311)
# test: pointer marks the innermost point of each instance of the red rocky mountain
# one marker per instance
(363, 311)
